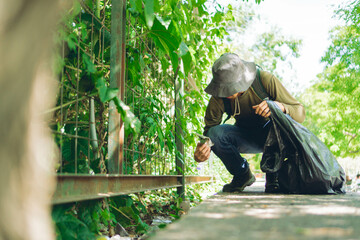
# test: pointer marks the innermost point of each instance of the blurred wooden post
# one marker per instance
(179, 135)
(117, 80)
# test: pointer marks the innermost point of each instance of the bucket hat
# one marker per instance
(230, 75)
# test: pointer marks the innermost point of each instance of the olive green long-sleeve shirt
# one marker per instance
(247, 116)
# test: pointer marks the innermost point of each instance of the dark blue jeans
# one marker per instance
(230, 141)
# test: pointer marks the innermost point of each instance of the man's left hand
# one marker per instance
(263, 109)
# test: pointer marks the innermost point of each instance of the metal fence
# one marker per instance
(105, 57)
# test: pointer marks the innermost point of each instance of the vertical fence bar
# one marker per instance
(179, 135)
(117, 80)
(61, 107)
(77, 99)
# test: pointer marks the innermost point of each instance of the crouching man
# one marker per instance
(238, 88)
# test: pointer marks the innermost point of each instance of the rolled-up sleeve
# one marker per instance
(276, 89)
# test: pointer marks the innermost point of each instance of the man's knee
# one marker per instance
(219, 135)
(215, 133)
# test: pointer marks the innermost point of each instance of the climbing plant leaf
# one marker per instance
(149, 12)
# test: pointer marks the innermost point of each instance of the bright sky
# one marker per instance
(309, 20)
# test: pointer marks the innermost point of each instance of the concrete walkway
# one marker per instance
(254, 214)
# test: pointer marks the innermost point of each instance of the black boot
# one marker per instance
(272, 183)
(239, 182)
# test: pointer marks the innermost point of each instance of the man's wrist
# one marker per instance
(281, 106)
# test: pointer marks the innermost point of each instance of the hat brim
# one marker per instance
(241, 84)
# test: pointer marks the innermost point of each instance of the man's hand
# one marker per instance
(202, 152)
(263, 109)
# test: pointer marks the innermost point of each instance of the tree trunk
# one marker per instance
(26, 90)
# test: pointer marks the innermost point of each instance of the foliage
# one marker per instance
(135, 212)
(68, 225)
(127, 214)
(84, 75)
(272, 47)
(333, 102)
(163, 44)
(89, 219)
(165, 47)
(167, 41)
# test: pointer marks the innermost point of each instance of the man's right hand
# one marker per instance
(202, 152)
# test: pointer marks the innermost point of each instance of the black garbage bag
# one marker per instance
(301, 160)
